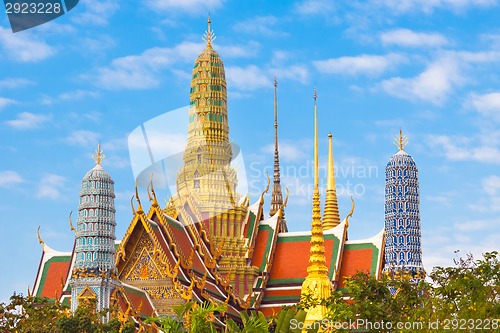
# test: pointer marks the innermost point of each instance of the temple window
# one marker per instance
(196, 183)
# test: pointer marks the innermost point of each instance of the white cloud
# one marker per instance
(474, 57)
(27, 120)
(298, 73)
(77, 95)
(458, 148)
(141, 71)
(487, 104)
(9, 178)
(364, 64)
(443, 199)
(448, 71)
(24, 47)
(314, 7)
(426, 6)
(432, 85)
(491, 185)
(96, 12)
(238, 51)
(4, 102)
(50, 186)
(96, 44)
(290, 151)
(491, 40)
(83, 138)
(406, 37)
(189, 6)
(12, 83)
(261, 25)
(247, 78)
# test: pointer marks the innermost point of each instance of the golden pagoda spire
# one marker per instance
(277, 195)
(317, 283)
(99, 156)
(402, 141)
(209, 34)
(331, 217)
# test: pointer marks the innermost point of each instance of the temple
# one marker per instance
(209, 243)
(403, 252)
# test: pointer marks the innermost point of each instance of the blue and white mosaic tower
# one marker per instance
(94, 273)
(403, 252)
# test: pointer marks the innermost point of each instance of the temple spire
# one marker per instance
(99, 156)
(209, 34)
(315, 96)
(317, 283)
(277, 195)
(402, 141)
(331, 216)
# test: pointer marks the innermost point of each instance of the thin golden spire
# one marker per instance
(402, 141)
(331, 216)
(317, 283)
(39, 237)
(209, 34)
(315, 96)
(99, 156)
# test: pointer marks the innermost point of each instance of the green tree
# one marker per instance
(40, 315)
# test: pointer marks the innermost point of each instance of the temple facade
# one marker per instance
(210, 243)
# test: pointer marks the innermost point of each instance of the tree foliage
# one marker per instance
(465, 297)
(40, 315)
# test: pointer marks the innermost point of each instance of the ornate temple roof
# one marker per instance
(196, 249)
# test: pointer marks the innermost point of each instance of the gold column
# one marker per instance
(317, 282)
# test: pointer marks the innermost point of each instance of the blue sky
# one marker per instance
(108, 66)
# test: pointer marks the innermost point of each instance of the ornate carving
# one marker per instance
(162, 292)
(141, 265)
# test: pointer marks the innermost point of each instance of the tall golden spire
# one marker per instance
(277, 195)
(331, 217)
(99, 156)
(401, 141)
(317, 282)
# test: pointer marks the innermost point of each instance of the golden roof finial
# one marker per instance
(39, 238)
(71, 222)
(286, 198)
(209, 34)
(99, 156)
(139, 206)
(350, 213)
(402, 141)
